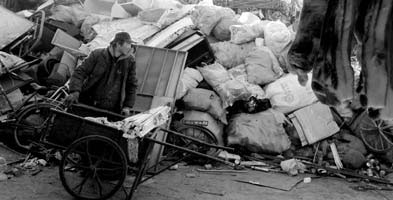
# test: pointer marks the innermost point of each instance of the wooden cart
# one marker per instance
(96, 158)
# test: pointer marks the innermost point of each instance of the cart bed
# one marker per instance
(66, 127)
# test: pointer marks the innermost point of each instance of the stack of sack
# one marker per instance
(249, 92)
(250, 68)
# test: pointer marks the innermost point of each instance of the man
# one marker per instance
(106, 79)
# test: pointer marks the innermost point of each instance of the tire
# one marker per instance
(200, 133)
(377, 135)
(94, 161)
(30, 124)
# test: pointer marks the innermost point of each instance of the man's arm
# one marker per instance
(131, 86)
(82, 72)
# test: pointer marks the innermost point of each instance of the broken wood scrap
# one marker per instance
(348, 173)
(267, 186)
(265, 169)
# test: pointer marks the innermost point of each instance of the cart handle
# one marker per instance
(98, 110)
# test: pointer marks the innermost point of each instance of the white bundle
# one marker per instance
(141, 124)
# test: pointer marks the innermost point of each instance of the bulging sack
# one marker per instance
(190, 79)
(221, 30)
(227, 87)
(232, 91)
(246, 32)
(231, 55)
(287, 95)
(260, 132)
(277, 36)
(214, 74)
(262, 66)
(206, 101)
(239, 73)
(207, 17)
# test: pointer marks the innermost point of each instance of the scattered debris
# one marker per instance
(190, 175)
(174, 167)
(293, 166)
(208, 166)
(253, 163)
(228, 156)
(366, 187)
(307, 180)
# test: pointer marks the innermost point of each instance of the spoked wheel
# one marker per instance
(30, 124)
(199, 133)
(377, 135)
(93, 167)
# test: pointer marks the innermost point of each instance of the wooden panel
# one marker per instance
(62, 39)
(12, 26)
(159, 70)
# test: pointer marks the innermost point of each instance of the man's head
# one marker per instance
(123, 44)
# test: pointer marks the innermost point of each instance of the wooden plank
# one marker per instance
(156, 152)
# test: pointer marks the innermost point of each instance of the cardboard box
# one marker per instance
(314, 123)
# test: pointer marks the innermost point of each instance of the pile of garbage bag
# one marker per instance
(244, 93)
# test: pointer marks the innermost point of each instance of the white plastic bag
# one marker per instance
(207, 17)
(262, 66)
(221, 30)
(190, 79)
(87, 27)
(231, 91)
(214, 74)
(239, 73)
(231, 55)
(259, 42)
(260, 132)
(277, 36)
(206, 101)
(170, 16)
(248, 18)
(247, 32)
(74, 14)
(167, 4)
(287, 95)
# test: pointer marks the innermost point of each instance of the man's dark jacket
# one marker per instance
(94, 67)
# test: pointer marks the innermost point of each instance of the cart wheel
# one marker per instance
(93, 167)
(377, 135)
(200, 133)
(30, 123)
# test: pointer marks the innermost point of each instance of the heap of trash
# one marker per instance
(236, 81)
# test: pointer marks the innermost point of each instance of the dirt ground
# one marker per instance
(179, 184)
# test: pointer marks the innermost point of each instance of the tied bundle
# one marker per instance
(141, 124)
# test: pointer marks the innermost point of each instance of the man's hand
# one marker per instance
(126, 111)
(71, 98)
